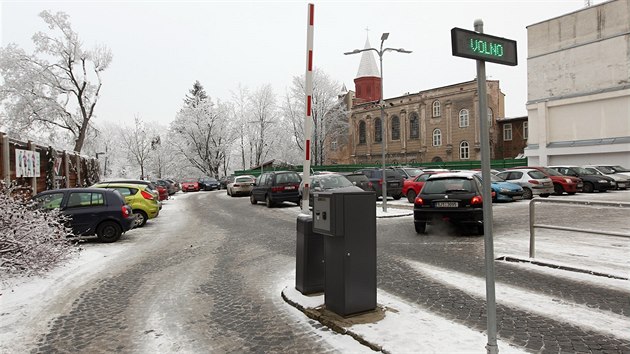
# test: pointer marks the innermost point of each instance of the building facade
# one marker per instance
(578, 83)
(512, 140)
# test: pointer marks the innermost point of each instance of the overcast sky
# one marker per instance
(161, 47)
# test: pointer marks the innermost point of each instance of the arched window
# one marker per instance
(437, 137)
(489, 116)
(464, 150)
(436, 108)
(378, 130)
(361, 132)
(414, 126)
(463, 118)
(395, 128)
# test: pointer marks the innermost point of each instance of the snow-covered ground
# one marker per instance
(25, 298)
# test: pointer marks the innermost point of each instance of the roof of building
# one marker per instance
(367, 67)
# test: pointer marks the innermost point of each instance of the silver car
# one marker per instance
(533, 181)
(241, 185)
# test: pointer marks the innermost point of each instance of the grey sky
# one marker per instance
(161, 47)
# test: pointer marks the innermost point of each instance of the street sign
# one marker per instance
(479, 46)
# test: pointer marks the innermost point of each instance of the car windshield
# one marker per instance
(591, 171)
(334, 181)
(620, 169)
(583, 171)
(551, 172)
(447, 185)
(606, 169)
(243, 179)
(536, 174)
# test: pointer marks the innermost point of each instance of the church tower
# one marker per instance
(367, 84)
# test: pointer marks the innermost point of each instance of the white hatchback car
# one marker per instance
(533, 181)
(241, 185)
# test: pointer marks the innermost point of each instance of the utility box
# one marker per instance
(309, 257)
(348, 222)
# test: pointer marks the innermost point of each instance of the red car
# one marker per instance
(190, 184)
(412, 187)
(561, 183)
(163, 192)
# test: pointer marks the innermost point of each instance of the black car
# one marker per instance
(393, 179)
(454, 197)
(225, 180)
(591, 182)
(360, 180)
(407, 172)
(92, 211)
(276, 187)
(208, 183)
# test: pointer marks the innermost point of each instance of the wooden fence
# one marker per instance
(33, 168)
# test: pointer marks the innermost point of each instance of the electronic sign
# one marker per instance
(479, 46)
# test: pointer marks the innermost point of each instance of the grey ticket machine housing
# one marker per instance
(348, 222)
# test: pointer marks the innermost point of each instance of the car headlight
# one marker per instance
(568, 180)
(504, 190)
(602, 181)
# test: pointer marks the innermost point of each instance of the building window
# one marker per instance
(361, 132)
(378, 130)
(395, 128)
(464, 150)
(437, 137)
(489, 116)
(436, 109)
(463, 118)
(414, 126)
(507, 132)
(525, 130)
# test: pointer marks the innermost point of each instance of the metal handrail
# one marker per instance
(533, 225)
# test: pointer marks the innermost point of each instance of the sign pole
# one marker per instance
(491, 309)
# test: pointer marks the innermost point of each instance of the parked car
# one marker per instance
(451, 196)
(592, 182)
(412, 187)
(175, 184)
(393, 179)
(502, 190)
(531, 180)
(360, 180)
(242, 185)
(408, 172)
(617, 169)
(223, 181)
(92, 211)
(327, 182)
(162, 192)
(170, 186)
(144, 204)
(152, 187)
(561, 183)
(208, 183)
(190, 184)
(622, 181)
(276, 187)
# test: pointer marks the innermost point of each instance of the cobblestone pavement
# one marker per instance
(207, 278)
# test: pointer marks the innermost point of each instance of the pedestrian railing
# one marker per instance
(533, 225)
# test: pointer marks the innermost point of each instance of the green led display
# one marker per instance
(479, 46)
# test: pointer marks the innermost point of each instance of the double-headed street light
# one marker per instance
(380, 53)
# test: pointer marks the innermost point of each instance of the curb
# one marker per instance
(331, 323)
(555, 266)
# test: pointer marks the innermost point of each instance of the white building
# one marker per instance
(578, 82)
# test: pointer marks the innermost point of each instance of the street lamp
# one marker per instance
(380, 53)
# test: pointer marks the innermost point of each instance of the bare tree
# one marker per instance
(139, 141)
(327, 110)
(264, 115)
(242, 115)
(61, 94)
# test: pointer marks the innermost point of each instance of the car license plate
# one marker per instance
(289, 187)
(394, 184)
(621, 185)
(446, 204)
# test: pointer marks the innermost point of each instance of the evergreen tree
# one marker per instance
(197, 94)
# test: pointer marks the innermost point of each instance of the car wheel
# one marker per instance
(108, 231)
(411, 196)
(142, 217)
(557, 189)
(588, 187)
(268, 201)
(398, 196)
(252, 199)
(228, 192)
(570, 193)
(527, 193)
(421, 227)
(545, 195)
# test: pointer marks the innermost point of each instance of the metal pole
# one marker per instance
(532, 233)
(6, 165)
(491, 347)
(383, 132)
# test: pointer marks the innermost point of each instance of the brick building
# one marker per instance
(513, 137)
(439, 124)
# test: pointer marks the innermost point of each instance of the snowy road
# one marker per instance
(206, 277)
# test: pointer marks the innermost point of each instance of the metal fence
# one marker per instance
(533, 225)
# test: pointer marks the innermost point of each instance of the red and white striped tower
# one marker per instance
(308, 121)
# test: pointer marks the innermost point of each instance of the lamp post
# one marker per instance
(380, 53)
